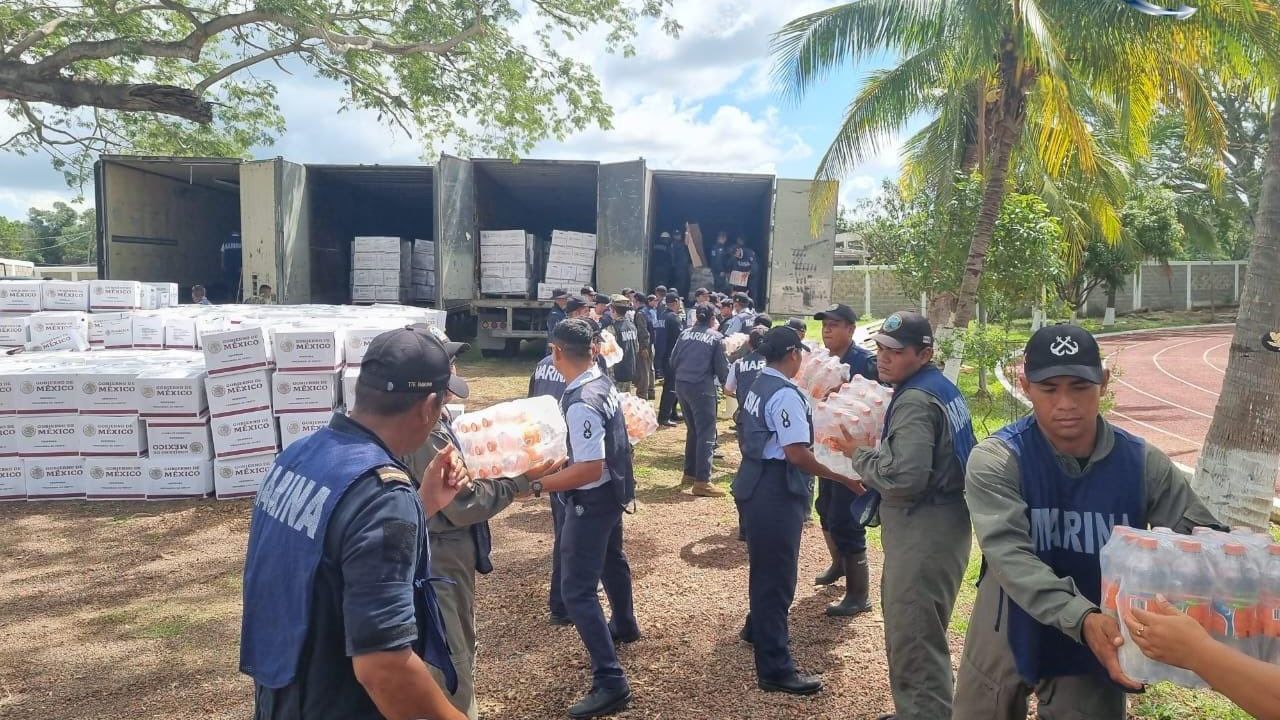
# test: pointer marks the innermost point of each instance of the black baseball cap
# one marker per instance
(558, 293)
(701, 291)
(651, 298)
(726, 303)
(704, 312)
(587, 290)
(742, 297)
(602, 299)
(905, 328)
(838, 312)
(412, 360)
(797, 324)
(781, 340)
(763, 320)
(575, 302)
(660, 289)
(1057, 350)
(673, 299)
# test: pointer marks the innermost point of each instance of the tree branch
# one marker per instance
(36, 36)
(340, 43)
(236, 67)
(144, 97)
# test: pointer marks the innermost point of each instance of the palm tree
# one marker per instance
(991, 71)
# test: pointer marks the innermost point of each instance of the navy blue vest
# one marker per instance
(1071, 519)
(546, 380)
(624, 331)
(286, 543)
(861, 362)
(754, 433)
(481, 535)
(749, 368)
(694, 356)
(600, 395)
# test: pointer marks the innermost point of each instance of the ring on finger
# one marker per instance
(1141, 629)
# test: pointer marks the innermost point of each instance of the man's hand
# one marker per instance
(545, 468)
(1102, 635)
(1167, 635)
(854, 485)
(442, 479)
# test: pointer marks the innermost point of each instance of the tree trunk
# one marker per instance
(1237, 472)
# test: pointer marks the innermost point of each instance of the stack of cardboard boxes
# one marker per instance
(570, 263)
(505, 262)
(423, 270)
(378, 270)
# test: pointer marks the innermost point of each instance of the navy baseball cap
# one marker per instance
(412, 360)
(558, 293)
(797, 324)
(602, 299)
(1058, 350)
(782, 340)
(905, 328)
(838, 312)
(673, 299)
(742, 297)
(575, 302)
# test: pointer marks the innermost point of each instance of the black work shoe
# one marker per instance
(887, 716)
(623, 638)
(667, 423)
(745, 634)
(559, 620)
(793, 684)
(601, 701)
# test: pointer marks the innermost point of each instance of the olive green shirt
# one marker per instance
(916, 458)
(993, 489)
(481, 501)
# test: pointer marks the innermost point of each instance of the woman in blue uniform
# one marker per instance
(772, 492)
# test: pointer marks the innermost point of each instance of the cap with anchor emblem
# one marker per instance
(1058, 350)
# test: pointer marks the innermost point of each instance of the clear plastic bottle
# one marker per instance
(1269, 605)
(1190, 590)
(1235, 602)
(1146, 577)
(1114, 560)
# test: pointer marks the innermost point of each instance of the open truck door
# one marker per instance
(456, 235)
(800, 262)
(275, 210)
(622, 247)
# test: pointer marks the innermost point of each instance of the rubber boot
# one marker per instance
(857, 583)
(836, 570)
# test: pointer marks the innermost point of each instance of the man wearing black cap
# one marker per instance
(726, 315)
(701, 296)
(721, 254)
(915, 482)
(460, 546)
(595, 488)
(588, 294)
(560, 297)
(799, 325)
(697, 361)
(340, 618)
(671, 329)
(623, 329)
(743, 316)
(772, 490)
(846, 539)
(603, 314)
(1045, 494)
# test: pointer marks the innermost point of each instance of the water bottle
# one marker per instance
(1191, 585)
(1145, 578)
(1114, 563)
(1236, 599)
(1269, 605)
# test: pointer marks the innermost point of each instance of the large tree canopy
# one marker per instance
(176, 76)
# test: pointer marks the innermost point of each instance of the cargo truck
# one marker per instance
(233, 225)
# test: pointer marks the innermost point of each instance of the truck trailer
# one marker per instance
(233, 225)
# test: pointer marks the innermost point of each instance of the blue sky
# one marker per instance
(702, 102)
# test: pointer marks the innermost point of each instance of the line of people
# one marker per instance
(344, 617)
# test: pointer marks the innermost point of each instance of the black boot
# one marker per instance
(836, 570)
(601, 701)
(857, 581)
(794, 684)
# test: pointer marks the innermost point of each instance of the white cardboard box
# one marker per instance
(363, 294)
(377, 244)
(20, 296)
(64, 295)
(59, 478)
(357, 340)
(115, 478)
(150, 297)
(109, 392)
(13, 331)
(238, 392)
(390, 278)
(424, 260)
(180, 333)
(9, 444)
(502, 237)
(503, 254)
(240, 477)
(387, 294)
(422, 293)
(112, 436)
(236, 350)
(176, 479)
(148, 331)
(48, 436)
(366, 261)
(349, 378)
(305, 392)
(114, 295)
(13, 479)
(47, 393)
(111, 331)
(391, 261)
(176, 393)
(370, 276)
(295, 427)
(166, 293)
(423, 277)
(251, 433)
(179, 438)
(47, 326)
(308, 350)
(503, 270)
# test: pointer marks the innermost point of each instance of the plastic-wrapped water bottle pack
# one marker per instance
(733, 343)
(857, 410)
(1228, 582)
(507, 439)
(821, 374)
(610, 350)
(642, 419)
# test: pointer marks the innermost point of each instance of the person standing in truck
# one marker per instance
(721, 254)
(661, 262)
(199, 296)
(681, 262)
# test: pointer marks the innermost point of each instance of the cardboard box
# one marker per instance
(251, 433)
(502, 237)
(177, 479)
(389, 293)
(114, 295)
(503, 254)
(112, 391)
(47, 393)
(42, 436)
(366, 261)
(64, 295)
(376, 244)
(423, 277)
(422, 293)
(393, 261)
(357, 341)
(166, 293)
(389, 278)
(569, 238)
(13, 479)
(111, 331)
(9, 445)
(20, 296)
(240, 477)
(238, 393)
(47, 327)
(60, 478)
(13, 331)
(371, 276)
(150, 297)
(363, 294)
(148, 331)
(61, 342)
(308, 349)
(424, 260)
(112, 436)
(236, 351)
(110, 478)
(295, 427)
(349, 378)
(305, 393)
(176, 393)
(179, 439)
(180, 333)
(503, 270)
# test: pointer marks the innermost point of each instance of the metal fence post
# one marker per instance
(1188, 286)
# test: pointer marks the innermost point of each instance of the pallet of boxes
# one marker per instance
(422, 268)
(506, 260)
(381, 270)
(570, 262)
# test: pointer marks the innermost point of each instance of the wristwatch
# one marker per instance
(536, 487)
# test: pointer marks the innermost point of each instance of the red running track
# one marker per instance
(1166, 385)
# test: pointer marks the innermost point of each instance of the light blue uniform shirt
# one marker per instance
(587, 446)
(787, 415)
